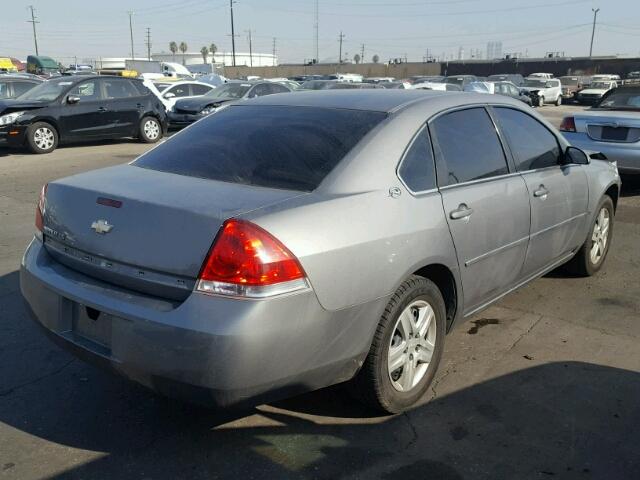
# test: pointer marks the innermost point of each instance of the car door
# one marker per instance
(87, 117)
(486, 204)
(558, 193)
(124, 105)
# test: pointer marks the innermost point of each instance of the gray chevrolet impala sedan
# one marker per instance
(301, 240)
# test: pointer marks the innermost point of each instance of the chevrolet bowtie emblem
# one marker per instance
(101, 226)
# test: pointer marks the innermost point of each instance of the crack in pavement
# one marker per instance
(414, 431)
(10, 390)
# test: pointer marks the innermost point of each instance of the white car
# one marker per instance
(541, 75)
(169, 93)
(595, 91)
(442, 87)
(549, 90)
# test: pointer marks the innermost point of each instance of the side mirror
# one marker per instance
(73, 99)
(169, 95)
(574, 155)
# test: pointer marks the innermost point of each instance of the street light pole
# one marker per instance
(593, 32)
(233, 35)
(131, 31)
(33, 22)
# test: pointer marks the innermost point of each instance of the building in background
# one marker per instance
(256, 59)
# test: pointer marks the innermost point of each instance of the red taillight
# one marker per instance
(40, 209)
(246, 260)
(568, 124)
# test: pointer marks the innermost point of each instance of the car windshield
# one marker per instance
(602, 85)
(532, 82)
(46, 91)
(621, 100)
(292, 148)
(569, 80)
(230, 90)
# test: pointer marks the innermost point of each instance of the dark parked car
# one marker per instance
(12, 86)
(353, 86)
(189, 110)
(317, 84)
(82, 108)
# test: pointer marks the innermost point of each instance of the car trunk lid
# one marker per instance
(141, 228)
(609, 126)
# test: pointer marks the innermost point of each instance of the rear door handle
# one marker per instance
(461, 212)
(102, 109)
(140, 106)
(541, 192)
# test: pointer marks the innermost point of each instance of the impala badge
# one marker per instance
(101, 226)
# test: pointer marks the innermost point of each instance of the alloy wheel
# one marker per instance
(600, 236)
(151, 129)
(44, 138)
(412, 346)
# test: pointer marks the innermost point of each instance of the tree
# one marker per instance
(183, 48)
(356, 58)
(204, 51)
(173, 46)
(213, 48)
(376, 58)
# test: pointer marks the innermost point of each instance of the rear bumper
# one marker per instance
(211, 350)
(626, 155)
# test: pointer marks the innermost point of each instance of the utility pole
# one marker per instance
(33, 22)
(593, 32)
(148, 43)
(362, 53)
(250, 49)
(233, 35)
(131, 31)
(274, 51)
(340, 38)
(316, 26)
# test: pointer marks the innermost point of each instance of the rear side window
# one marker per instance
(283, 147)
(117, 88)
(532, 144)
(199, 89)
(469, 146)
(417, 168)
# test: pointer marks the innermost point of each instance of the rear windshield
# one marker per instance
(284, 147)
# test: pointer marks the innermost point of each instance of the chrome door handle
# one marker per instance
(102, 109)
(461, 212)
(541, 192)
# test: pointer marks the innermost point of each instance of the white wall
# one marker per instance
(226, 58)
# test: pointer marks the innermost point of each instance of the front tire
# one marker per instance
(150, 130)
(406, 348)
(590, 258)
(42, 137)
(559, 101)
(540, 101)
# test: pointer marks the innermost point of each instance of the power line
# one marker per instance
(33, 22)
(593, 31)
(131, 32)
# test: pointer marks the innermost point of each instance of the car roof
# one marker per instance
(381, 100)
(20, 77)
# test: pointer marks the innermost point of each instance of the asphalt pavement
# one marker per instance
(545, 384)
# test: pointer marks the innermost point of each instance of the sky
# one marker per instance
(90, 29)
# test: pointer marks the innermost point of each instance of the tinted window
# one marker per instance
(532, 145)
(199, 89)
(469, 146)
(276, 88)
(4, 90)
(20, 87)
(119, 89)
(260, 90)
(417, 168)
(139, 86)
(179, 91)
(270, 146)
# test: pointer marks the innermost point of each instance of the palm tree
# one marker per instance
(213, 48)
(376, 59)
(204, 51)
(173, 46)
(356, 58)
(183, 48)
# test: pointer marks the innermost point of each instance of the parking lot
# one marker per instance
(544, 384)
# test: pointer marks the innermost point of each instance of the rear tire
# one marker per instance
(559, 101)
(406, 348)
(42, 137)
(150, 130)
(593, 252)
(540, 101)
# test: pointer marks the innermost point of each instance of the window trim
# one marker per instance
(513, 157)
(438, 157)
(419, 193)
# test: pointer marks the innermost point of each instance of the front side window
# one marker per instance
(87, 91)
(180, 91)
(469, 146)
(532, 144)
(417, 168)
(199, 89)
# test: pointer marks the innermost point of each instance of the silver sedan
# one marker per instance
(296, 241)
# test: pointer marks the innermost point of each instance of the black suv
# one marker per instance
(81, 108)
